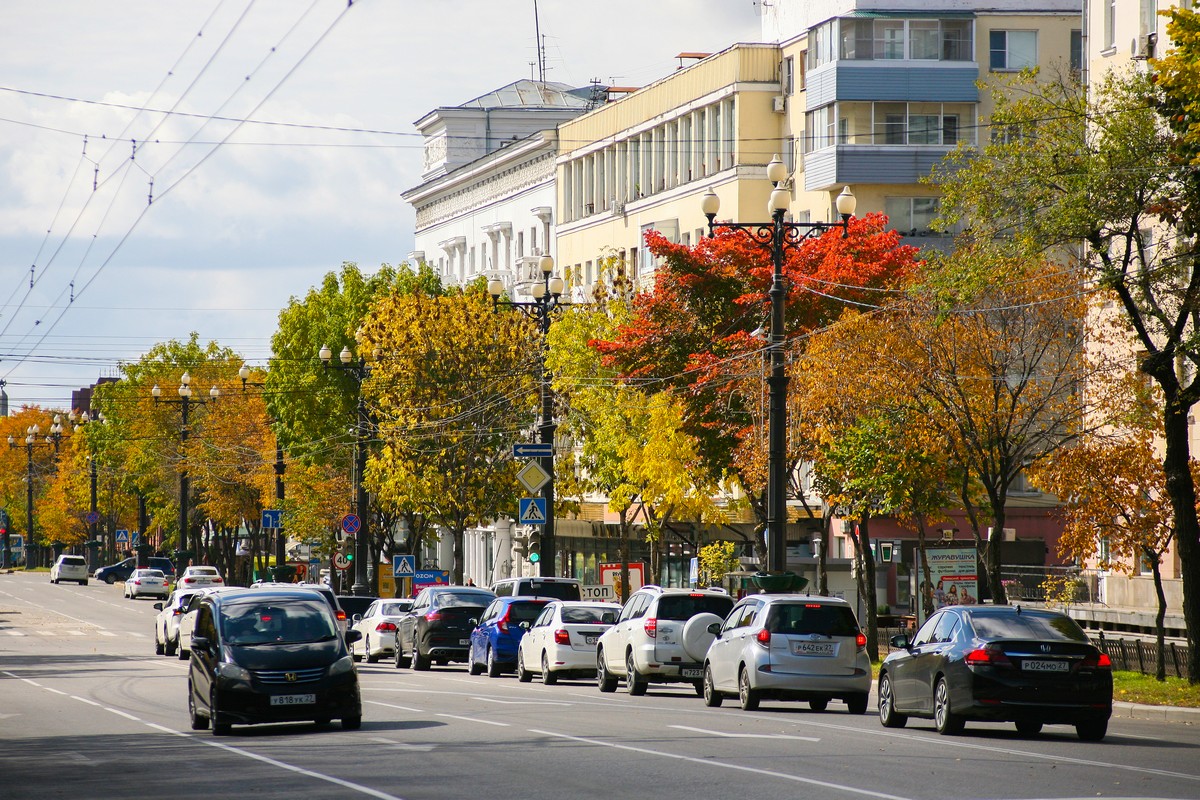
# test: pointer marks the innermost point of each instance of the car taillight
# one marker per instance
(188, 580)
(763, 637)
(1101, 661)
(341, 615)
(987, 657)
(218, 580)
(502, 623)
(561, 636)
(386, 626)
(651, 626)
(860, 641)
(433, 616)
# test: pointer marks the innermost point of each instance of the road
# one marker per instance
(87, 710)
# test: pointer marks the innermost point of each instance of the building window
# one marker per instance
(1013, 50)
(925, 40)
(787, 76)
(1110, 25)
(911, 215)
(889, 39)
(898, 38)
(957, 41)
(1076, 56)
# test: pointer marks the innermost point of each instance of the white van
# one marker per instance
(558, 588)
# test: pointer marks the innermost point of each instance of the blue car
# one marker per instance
(498, 632)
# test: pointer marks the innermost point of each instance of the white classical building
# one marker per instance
(485, 205)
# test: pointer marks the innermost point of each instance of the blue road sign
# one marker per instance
(351, 524)
(123, 536)
(533, 450)
(92, 517)
(532, 511)
(272, 519)
(404, 566)
(135, 538)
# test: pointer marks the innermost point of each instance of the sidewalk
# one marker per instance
(1158, 713)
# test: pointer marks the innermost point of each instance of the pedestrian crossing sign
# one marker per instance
(532, 511)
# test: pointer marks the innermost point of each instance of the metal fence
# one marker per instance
(1029, 583)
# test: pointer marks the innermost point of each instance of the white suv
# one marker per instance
(70, 568)
(661, 637)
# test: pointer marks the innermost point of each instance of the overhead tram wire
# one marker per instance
(141, 215)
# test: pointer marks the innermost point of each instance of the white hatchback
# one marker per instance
(378, 628)
(561, 642)
(70, 568)
(150, 582)
(200, 578)
(789, 647)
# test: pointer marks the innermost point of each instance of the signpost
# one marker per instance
(351, 524)
(341, 561)
(532, 511)
(272, 519)
(533, 477)
(404, 566)
(532, 450)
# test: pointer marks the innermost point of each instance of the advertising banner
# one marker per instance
(954, 575)
(610, 575)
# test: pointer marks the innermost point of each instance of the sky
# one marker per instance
(288, 141)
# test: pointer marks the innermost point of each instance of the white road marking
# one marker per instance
(725, 735)
(85, 700)
(392, 705)
(14, 633)
(521, 702)
(416, 748)
(121, 713)
(594, 697)
(723, 765)
(481, 721)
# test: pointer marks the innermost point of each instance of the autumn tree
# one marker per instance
(1101, 168)
(693, 333)
(451, 384)
(17, 464)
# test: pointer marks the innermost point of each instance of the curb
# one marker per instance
(1157, 713)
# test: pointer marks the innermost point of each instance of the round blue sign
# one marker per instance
(351, 523)
(92, 517)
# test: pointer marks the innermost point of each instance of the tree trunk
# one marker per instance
(624, 526)
(822, 570)
(1160, 634)
(1182, 492)
(995, 542)
(456, 577)
(924, 582)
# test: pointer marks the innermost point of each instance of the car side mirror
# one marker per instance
(201, 644)
(473, 621)
(901, 642)
(158, 606)
(524, 626)
(608, 618)
(353, 636)
(357, 618)
(715, 628)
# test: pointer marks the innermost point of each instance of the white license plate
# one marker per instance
(591, 639)
(691, 673)
(813, 648)
(1030, 665)
(464, 642)
(293, 699)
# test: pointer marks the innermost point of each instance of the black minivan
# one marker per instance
(270, 655)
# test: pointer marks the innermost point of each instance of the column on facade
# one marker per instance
(545, 215)
(502, 547)
(504, 229)
(568, 192)
(493, 234)
(727, 112)
(621, 175)
(696, 125)
(602, 179)
(711, 138)
(589, 185)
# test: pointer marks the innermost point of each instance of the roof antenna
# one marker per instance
(541, 51)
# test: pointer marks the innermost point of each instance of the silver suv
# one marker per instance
(661, 637)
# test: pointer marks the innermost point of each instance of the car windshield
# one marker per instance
(73, 561)
(275, 621)
(587, 616)
(525, 612)
(149, 573)
(451, 599)
(202, 571)
(1027, 625)
(802, 619)
(686, 606)
(395, 609)
(559, 591)
(355, 605)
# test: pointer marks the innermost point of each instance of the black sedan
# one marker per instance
(438, 627)
(998, 664)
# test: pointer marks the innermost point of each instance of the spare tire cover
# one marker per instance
(696, 637)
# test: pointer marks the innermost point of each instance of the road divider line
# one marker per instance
(725, 735)
(839, 787)
(480, 721)
(121, 713)
(85, 700)
(521, 702)
(393, 705)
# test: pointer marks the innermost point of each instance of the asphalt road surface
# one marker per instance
(88, 711)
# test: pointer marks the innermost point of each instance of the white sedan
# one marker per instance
(562, 640)
(378, 628)
(200, 578)
(166, 624)
(150, 582)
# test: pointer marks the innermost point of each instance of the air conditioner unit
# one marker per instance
(1142, 47)
(780, 103)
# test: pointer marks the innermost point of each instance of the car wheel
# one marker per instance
(946, 721)
(548, 676)
(218, 728)
(110, 579)
(159, 647)
(183, 654)
(371, 658)
(818, 705)
(712, 698)
(747, 696)
(1092, 731)
(171, 647)
(83, 583)
(605, 680)
(420, 663)
(888, 716)
(634, 682)
(473, 666)
(857, 704)
(1027, 727)
(493, 666)
(351, 723)
(53, 581)
(199, 723)
(321, 722)
(398, 657)
(523, 675)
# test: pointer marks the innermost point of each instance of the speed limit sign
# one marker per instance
(341, 561)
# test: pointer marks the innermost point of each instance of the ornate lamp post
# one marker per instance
(185, 402)
(280, 537)
(53, 438)
(93, 544)
(358, 370)
(778, 236)
(546, 298)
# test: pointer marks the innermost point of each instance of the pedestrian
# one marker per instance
(470, 581)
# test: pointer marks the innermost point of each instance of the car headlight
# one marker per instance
(233, 672)
(342, 665)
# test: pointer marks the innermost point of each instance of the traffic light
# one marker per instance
(535, 547)
(3, 522)
(520, 545)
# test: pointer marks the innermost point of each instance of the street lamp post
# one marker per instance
(93, 516)
(32, 557)
(546, 298)
(184, 402)
(359, 370)
(778, 236)
(280, 537)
